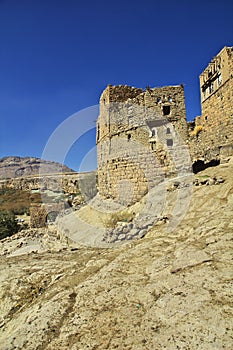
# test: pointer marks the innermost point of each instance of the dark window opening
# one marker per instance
(98, 132)
(153, 145)
(200, 165)
(168, 130)
(206, 117)
(211, 88)
(166, 110)
(153, 132)
(129, 137)
(51, 217)
(169, 142)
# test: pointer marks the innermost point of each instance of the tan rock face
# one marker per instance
(166, 291)
(11, 167)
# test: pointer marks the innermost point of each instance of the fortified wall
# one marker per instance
(143, 137)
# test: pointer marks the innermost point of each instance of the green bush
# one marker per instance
(8, 224)
(21, 211)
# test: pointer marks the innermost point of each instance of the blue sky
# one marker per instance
(56, 57)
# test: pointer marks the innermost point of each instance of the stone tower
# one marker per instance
(216, 90)
(138, 135)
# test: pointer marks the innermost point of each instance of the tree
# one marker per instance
(8, 224)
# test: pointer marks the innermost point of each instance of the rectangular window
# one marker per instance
(166, 110)
(219, 79)
(211, 88)
(169, 142)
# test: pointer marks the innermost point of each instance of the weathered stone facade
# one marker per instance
(215, 139)
(42, 214)
(140, 138)
(143, 135)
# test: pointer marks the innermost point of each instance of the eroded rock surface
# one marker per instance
(165, 291)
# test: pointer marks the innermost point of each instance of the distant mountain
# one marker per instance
(13, 166)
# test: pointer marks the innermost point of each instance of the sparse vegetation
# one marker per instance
(14, 200)
(197, 130)
(8, 224)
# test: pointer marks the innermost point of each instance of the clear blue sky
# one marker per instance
(56, 57)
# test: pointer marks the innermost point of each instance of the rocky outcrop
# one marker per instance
(11, 167)
(165, 291)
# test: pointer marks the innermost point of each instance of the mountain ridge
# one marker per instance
(16, 166)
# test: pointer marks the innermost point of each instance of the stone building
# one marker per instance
(213, 141)
(140, 139)
(143, 136)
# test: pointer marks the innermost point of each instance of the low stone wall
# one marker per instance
(39, 213)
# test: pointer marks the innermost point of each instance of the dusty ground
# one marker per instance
(166, 291)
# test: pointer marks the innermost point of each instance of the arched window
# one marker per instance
(51, 217)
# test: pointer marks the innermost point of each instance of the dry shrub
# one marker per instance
(197, 130)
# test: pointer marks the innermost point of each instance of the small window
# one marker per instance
(98, 132)
(168, 130)
(206, 117)
(158, 99)
(169, 142)
(166, 110)
(153, 132)
(211, 88)
(219, 79)
(153, 145)
(170, 99)
(129, 137)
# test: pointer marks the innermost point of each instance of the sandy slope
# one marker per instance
(166, 291)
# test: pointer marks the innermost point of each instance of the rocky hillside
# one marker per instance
(165, 291)
(11, 167)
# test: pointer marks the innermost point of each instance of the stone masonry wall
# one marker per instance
(143, 136)
(39, 214)
(137, 133)
(215, 140)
